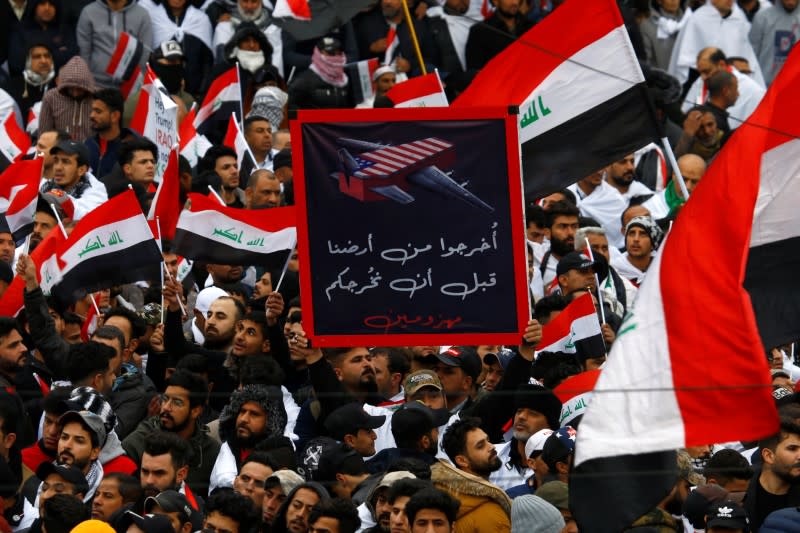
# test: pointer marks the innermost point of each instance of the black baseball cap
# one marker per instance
(464, 357)
(69, 473)
(339, 459)
(330, 45)
(574, 261)
(727, 514)
(417, 419)
(72, 148)
(169, 501)
(348, 419)
(151, 523)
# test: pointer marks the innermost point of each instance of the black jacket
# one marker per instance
(487, 39)
(309, 91)
(755, 509)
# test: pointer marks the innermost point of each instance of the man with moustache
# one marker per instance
(116, 494)
(254, 413)
(562, 223)
(181, 405)
(82, 436)
(484, 506)
(622, 176)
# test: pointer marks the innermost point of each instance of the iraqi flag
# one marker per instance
(14, 142)
(684, 357)
(223, 98)
(44, 256)
(166, 204)
(575, 393)
(19, 193)
(420, 91)
(580, 91)
(156, 117)
(126, 58)
(112, 245)
(193, 146)
(234, 138)
(359, 76)
(133, 84)
(392, 44)
(576, 330)
(296, 9)
(213, 233)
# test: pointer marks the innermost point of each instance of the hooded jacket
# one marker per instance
(98, 32)
(484, 506)
(62, 112)
(130, 398)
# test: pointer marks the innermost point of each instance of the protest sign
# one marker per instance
(410, 227)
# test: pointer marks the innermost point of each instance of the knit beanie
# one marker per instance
(532, 514)
(88, 399)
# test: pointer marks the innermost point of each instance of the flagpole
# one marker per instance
(675, 168)
(217, 196)
(158, 230)
(64, 233)
(414, 37)
(285, 267)
(239, 81)
(247, 146)
(597, 282)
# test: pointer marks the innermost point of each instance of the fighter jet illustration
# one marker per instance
(382, 171)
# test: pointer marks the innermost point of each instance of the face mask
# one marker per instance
(250, 61)
(170, 75)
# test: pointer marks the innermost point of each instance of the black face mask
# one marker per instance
(170, 75)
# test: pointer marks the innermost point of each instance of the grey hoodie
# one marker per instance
(99, 29)
(772, 34)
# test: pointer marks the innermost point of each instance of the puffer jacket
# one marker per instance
(98, 32)
(62, 112)
(484, 506)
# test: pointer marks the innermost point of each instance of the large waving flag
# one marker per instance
(193, 146)
(576, 329)
(14, 142)
(223, 98)
(210, 232)
(682, 356)
(44, 256)
(166, 204)
(580, 92)
(297, 9)
(420, 91)
(112, 245)
(234, 138)
(19, 192)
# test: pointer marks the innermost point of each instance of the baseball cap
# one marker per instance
(169, 50)
(421, 378)
(503, 357)
(416, 418)
(288, 480)
(464, 357)
(556, 493)
(151, 523)
(92, 421)
(329, 45)
(699, 501)
(68, 473)
(169, 501)
(536, 441)
(338, 459)
(573, 261)
(727, 514)
(686, 470)
(70, 147)
(389, 478)
(559, 445)
(348, 419)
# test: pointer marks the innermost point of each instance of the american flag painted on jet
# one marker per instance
(391, 159)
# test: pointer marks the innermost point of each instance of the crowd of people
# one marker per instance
(198, 403)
